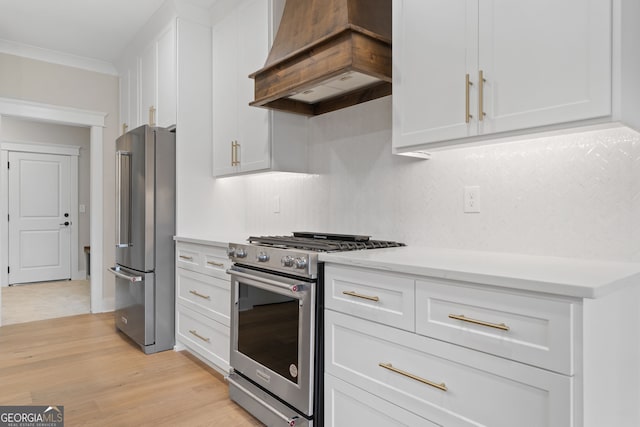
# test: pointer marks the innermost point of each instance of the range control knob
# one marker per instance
(241, 253)
(262, 257)
(231, 252)
(300, 263)
(287, 261)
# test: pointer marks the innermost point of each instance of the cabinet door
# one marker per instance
(225, 98)
(545, 62)
(129, 95)
(166, 89)
(253, 122)
(125, 91)
(148, 82)
(134, 94)
(434, 47)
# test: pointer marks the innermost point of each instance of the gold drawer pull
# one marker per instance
(390, 367)
(188, 258)
(500, 326)
(215, 264)
(196, 334)
(196, 293)
(357, 295)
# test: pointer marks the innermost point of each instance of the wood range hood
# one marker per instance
(327, 55)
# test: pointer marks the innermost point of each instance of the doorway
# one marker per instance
(93, 120)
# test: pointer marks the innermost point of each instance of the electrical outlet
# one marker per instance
(472, 199)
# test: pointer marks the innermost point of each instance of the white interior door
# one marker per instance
(39, 217)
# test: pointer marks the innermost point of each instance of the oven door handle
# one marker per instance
(291, 288)
(289, 421)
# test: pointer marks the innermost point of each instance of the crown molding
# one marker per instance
(56, 57)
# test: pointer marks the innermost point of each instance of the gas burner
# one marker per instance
(322, 242)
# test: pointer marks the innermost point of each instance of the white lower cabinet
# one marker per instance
(206, 338)
(203, 302)
(417, 351)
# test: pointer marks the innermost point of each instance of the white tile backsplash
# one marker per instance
(574, 195)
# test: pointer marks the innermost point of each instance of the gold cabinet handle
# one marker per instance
(235, 157)
(198, 294)
(481, 81)
(152, 116)
(467, 88)
(188, 258)
(389, 366)
(357, 295)
(462, 317)
(196, 334)
(124, 128)
(215, 264)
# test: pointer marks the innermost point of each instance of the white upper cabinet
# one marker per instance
(148, 90)
(129, 95)
(166, 99)
(148, 85)
(158, 80)
(470, 68)
(249, 139)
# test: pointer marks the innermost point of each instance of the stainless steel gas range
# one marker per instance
(277, 303)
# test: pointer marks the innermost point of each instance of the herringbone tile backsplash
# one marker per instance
(574, 195)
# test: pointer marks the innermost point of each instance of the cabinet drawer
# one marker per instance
(208, 295)
(188, 257)
(210, 260)
(477, 388)
(209, 338)
(348, 406)
(376, 296)
(520, 327)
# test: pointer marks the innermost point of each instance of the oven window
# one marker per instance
(268, 325)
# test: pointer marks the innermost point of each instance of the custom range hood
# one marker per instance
(327, 55)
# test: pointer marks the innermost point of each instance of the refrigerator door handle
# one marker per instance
(123, 199)
(117, 272)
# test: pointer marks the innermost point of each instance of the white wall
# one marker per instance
(18, 130)
(576, 195)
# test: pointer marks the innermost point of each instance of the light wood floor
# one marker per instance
(102, 379)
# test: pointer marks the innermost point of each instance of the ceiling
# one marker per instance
(95, 29)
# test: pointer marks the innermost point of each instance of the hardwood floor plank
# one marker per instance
(102, 378)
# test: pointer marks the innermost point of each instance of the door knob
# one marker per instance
(66, 223)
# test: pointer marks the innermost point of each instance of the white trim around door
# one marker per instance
(75, 117)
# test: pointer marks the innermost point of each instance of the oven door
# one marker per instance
(272, 334)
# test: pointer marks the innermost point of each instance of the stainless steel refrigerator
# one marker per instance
(145, 226)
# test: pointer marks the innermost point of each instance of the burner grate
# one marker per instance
(321, 244)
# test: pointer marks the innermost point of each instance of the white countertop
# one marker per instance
(555, 275)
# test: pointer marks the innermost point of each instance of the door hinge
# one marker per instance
(8, 165)
(8, 270)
